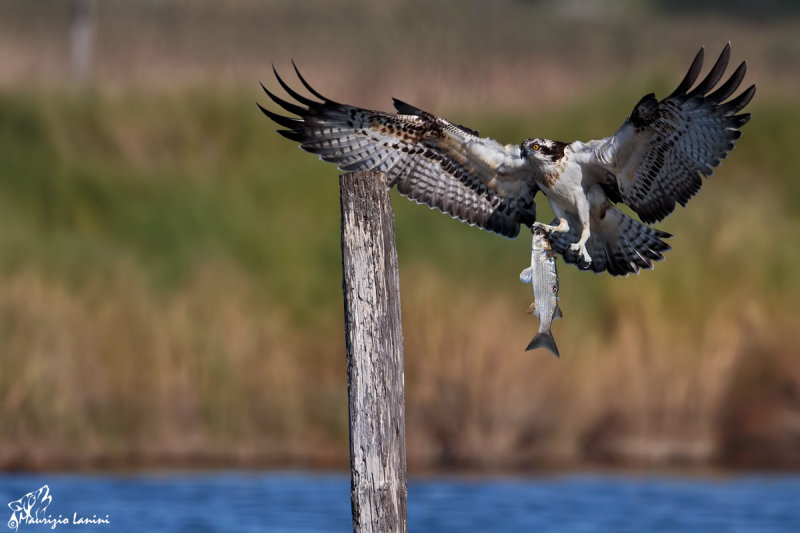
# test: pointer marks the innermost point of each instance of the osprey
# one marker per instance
(655, 160)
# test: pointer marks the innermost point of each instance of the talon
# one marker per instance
(546, 227)
(563, 226)
(582, 251)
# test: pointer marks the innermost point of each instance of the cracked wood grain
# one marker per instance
(374, 340)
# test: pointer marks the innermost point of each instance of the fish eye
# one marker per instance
(535, 146)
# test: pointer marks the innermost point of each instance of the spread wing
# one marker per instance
(430, 160)
(659, 154)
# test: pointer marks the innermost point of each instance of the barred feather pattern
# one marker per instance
(663, 149)
(617, 244)
(430, 160)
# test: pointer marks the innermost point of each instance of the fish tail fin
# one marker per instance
(544, 340)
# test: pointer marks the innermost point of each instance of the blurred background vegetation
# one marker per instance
(170, 278)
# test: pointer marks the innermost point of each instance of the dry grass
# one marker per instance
(505, 55)
(114, 372)
(636, 386)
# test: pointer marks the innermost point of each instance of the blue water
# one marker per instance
(303, 502)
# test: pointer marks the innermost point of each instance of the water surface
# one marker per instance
(313, 502)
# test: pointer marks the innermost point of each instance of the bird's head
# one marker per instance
(542, 150)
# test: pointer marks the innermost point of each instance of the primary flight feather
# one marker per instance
(655, 160)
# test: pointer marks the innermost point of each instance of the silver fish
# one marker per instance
(543, 278)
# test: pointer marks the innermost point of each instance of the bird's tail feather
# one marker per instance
(617, 244)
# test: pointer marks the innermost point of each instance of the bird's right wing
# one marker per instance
(661, 151)
(430, 160)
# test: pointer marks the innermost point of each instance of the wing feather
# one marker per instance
(661, 152)
(691, 75)
(308, 87)
(727, 88)
(617, 244)
(715, 74)
(430, 160)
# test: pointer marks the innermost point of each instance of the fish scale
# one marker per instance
(543, 278)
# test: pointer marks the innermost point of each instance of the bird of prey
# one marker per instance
(656, 159)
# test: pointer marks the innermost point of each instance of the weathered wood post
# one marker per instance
(81, 30)
(374, 339)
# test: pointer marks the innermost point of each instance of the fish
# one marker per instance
(543, 278)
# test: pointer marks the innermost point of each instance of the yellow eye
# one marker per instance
(535, 146)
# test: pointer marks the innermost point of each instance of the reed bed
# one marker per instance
(170, 269)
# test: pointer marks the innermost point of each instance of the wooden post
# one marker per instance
(374, 338)
(81, 39)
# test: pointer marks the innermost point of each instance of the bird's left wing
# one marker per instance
(659, 154)
(430, 160)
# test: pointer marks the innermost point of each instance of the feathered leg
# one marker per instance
(582, 203)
